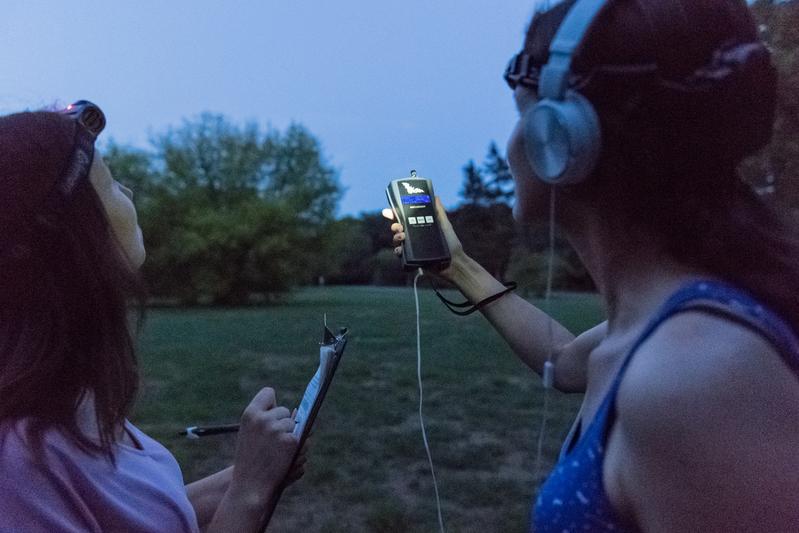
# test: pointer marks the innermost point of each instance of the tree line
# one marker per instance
(231, 213)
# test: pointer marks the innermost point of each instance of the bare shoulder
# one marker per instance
(708, 416)
(708, 362)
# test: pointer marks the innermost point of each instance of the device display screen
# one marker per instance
(416, 199)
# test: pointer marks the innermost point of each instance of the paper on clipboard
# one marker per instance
(326, 354)
(330, 351)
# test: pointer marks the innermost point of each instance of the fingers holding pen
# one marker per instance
(283, 425)
(264, 448)
(265, 399)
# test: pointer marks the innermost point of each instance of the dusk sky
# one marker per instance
(385, 86)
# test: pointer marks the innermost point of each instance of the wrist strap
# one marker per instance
(453, 306)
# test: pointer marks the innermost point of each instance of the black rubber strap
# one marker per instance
(453, 306)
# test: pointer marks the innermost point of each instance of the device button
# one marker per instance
(412, 220)
(428, 219)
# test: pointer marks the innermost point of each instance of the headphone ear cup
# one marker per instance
(562, 139)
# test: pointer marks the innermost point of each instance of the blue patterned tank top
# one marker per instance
(573, 498)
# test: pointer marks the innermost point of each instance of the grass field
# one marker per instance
(368, 469)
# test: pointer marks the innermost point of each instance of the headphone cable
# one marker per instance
(548, 373)
(419, 274)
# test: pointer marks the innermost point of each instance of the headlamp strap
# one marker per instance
(79, 163)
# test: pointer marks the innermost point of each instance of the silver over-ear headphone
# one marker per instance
(562, 133)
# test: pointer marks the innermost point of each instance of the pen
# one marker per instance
(195, 432)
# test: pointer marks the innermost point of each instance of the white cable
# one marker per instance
(548, 371)
(419, 274)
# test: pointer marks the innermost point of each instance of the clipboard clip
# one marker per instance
(337, 342)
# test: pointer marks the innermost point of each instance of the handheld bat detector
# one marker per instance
(413, 202)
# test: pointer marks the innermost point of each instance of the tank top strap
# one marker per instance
(718, 298)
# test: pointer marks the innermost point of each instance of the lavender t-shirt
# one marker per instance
(72, 491)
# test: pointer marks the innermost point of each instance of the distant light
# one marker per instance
(388, 213)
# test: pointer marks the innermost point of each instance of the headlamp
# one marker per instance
(88, 115)
(91, 121)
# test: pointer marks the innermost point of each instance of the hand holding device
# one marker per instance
(412, 201)
(450, 237)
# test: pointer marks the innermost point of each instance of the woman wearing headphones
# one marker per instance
(70, 249)
(633, 118)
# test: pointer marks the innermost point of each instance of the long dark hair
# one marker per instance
(65, 291)
(669, 158)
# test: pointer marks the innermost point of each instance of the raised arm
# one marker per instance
(525, 327)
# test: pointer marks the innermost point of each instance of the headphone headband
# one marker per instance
(555, 74)
(660, 14)
(669, 23)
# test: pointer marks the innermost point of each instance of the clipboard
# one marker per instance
(330, 351)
